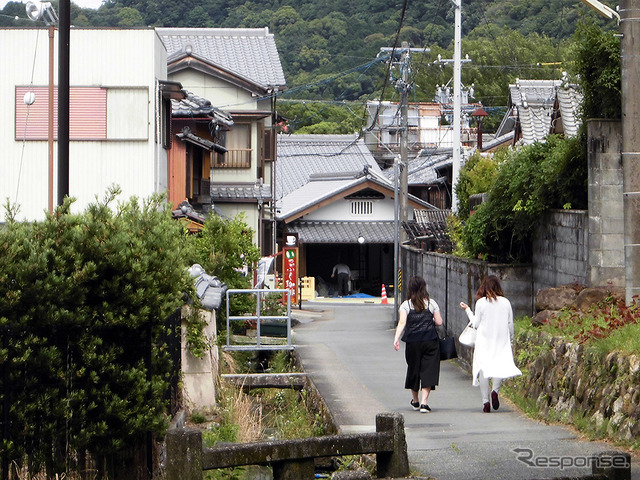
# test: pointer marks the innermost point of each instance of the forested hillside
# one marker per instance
(329, 48)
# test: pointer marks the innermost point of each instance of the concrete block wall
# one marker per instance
(570, 245)
(451, 280)
(561, 249)
(606, 209)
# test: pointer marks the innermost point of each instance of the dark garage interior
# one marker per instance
(371, 266)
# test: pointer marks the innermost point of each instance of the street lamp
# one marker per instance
(37, 10)
(479, 115)
(602, 9)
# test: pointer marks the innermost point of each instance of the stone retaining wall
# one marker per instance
(569, 382)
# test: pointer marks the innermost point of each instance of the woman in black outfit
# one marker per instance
(418, 317)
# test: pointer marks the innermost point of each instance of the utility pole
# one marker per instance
(404, 87)
(630, 73)
(401, 168)
(629, 19)
(457, 100)
(457, 128)
(63, 98)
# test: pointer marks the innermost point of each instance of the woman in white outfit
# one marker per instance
(493, 355)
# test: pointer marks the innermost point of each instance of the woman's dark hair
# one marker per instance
(418, 294)
(490, 288)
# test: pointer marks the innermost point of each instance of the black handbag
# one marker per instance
(447, 346)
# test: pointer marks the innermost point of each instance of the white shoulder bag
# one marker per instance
(468, 336)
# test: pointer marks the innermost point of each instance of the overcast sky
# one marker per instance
(80, 3)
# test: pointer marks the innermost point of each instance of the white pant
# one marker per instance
(484, 385)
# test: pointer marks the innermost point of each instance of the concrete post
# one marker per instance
(394, 464)
(614, 465)
(294, 470)
(184, 454)
(606, 204)
(630, 29)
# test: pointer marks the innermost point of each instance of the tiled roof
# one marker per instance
(423, 168)
(312, 193)
(321, 188)
(533, 101)
(196, 106)
(343, 232)
(300, 156)
(535, 123)
(239, 191)
(506, 139)
(429, 230)
(188, 136)
(534, 92)
(250, 53)
(570, 101)
(185, 210)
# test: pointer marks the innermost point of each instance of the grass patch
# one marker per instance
(288, 414)
(512, 390)
(625, 339)
(609, 325)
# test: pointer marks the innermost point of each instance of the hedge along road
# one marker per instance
(348, 352)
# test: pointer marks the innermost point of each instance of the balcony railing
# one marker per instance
(235, 158)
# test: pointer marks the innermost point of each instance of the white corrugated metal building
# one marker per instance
(114, 115)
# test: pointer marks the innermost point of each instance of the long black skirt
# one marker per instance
(423, 364)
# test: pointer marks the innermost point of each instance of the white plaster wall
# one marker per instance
(221, 94)
(250, 211)
(341, 210)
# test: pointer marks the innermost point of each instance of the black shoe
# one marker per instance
(424, 408)
(495, 403)
(486, 408)
(415, 405)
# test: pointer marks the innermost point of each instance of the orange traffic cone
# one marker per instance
(384, 295)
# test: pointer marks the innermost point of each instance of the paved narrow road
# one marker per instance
(348, 352)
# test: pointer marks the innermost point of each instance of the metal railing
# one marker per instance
(235, 158)
(259, 318)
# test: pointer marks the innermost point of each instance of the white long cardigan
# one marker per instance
(492, 353)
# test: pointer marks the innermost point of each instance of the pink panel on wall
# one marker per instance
(87, 114)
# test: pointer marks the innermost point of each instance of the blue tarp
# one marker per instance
(359, 295)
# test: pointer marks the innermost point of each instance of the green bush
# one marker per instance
(83, 303)
(596, 55)
(224, 248)
(527, 182)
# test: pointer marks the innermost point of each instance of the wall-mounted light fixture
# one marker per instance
(37, 10)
